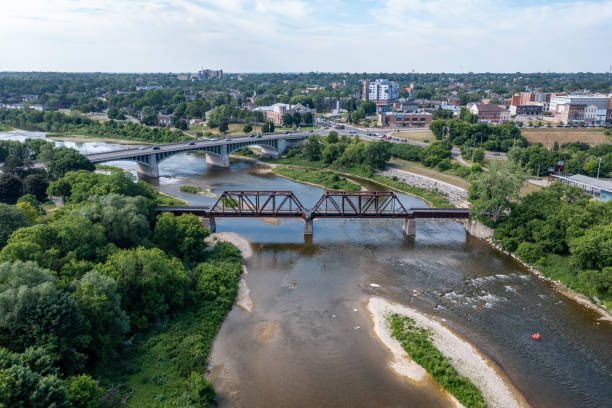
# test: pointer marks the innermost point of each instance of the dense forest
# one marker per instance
(84, 287)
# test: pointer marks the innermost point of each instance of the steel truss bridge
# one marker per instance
(333, 204)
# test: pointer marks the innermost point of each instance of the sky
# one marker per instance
(306, 35)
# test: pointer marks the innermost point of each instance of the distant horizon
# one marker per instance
(298, 36)
(308, 72)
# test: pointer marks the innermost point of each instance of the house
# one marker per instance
(488, 113)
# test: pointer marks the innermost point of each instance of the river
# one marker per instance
(308, 341)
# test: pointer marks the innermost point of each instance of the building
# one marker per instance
(598, 188)
(382, 92)
(588, 109)
(274, 113)
(488, 113)
(526, 109)
(401, 119)
(210, 74)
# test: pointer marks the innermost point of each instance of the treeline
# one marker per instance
(53, 121)
(579, 158)
(466, 135)
(565, 234)
(79, 293)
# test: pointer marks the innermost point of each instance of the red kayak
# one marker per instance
(536, 336)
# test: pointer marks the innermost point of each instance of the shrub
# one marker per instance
(529, 252)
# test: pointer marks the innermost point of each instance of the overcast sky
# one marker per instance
(306, 35)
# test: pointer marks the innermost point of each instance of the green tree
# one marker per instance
(36, 184)
(125, 219)
(332, 137)
(435, 153)
(33, 312)
(150, 283)
(181, 236)
(11, 219)
(83, 391)
(98, 302)
(65, 160)
(308, 118)
(593, 250)
(223, 126)
(10, 188)
(268, 127)
(478, 155)
(247, 128)
(287, 119)
(491, 192)
(30, 212)
(312, 149)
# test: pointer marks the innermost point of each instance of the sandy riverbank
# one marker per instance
(243, 299)
(466, 359)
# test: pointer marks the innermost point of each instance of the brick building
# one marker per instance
(401, 119)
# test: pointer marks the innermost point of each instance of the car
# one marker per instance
(155, 147)
(259, 136)
(251, 135)
(229, 139)
(287, 132)
(404, 140)
(143, 147)
(352, 131)
(496, 154)
(214, 139)
(191, 143)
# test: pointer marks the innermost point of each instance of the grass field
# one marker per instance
(548, 137)
(417, 135)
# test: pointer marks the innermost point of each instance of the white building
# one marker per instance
(383, 90)
(591, 109)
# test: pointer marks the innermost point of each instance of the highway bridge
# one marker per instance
(333, 204)
(217, 151)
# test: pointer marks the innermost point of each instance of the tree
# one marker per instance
(148, 116)
(113, 112)
(478, 155)
(247, 128)
(33, 312)
(22, 387)
(308, 118)
(492, 192)
(332, 137)
(593, 250)
(268, 127)
(312, 149)
(125, 219)
(435, 153)
(182, 236)
(65, 160)
(223, 126)
(10, 188)
(287, 119)
(150, 283)
(30, 212)
(83, 391)
(98, 302)
(11, 219)
(36, 184)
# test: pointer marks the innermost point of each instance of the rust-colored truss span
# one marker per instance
(362, 204)
(257, 204)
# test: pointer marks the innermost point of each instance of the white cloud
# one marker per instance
(295, 35)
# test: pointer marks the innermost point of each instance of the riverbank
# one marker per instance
(84, 139)
(557, 285)
(466, 359)
(318, 178)
(243, 298)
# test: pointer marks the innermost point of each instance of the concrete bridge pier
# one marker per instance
(209, 223)
(220, 160)
(409, 227)
(150, 170)
(308, 226)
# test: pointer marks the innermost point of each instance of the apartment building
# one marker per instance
(400, 119)
(588, 109)
(274, 113)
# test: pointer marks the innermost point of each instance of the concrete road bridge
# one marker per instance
(217, 151)
(333, 204)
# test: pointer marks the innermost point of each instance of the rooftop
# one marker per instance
(588, 181)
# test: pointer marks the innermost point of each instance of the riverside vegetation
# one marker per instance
(106, 304)
(416, 341)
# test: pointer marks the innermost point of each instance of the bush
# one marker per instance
(83, 391)
(530, 252)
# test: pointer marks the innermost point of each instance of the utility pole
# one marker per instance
(598, 167)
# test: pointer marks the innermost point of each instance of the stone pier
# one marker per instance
(148, 170)
(308, 226)
(409, 227)
(209, 223)
(220, 160)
